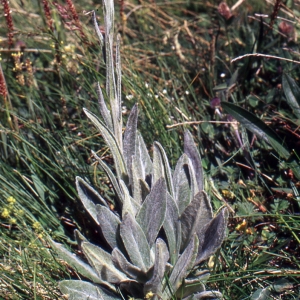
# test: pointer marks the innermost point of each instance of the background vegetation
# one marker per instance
(177, 64)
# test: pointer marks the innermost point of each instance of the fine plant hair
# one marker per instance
(163, 227)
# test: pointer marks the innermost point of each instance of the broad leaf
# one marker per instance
(89, 197)
(292, 93)
(182, 266)
(256, 126)
(152, 213)
(182, 183)
(101, 261)
(109, 223)
(135, 243)
(192, 152)
(82, 290)
(188, 221)
(213, 237)
(154, 285)
(261, 294)
(121, 263)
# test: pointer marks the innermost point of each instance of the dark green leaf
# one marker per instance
(292, 93)
(256, 126)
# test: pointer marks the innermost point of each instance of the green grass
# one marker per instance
(175, 57)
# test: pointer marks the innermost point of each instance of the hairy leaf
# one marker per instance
(82, 290)
(152, 213)
(77, 264)
(101, 261)
(172, 228)
(109, 223)
(105, 113)
(256, 126)
(121, 263)
(215, 295)
(190, 220)
(167, 170)
(182, 183)
(112, 143)
(89, 197)
(182, 266)
(214, 236)
(129, 205)
(135, 243)
(154, 285)
(191, 151)
(111, 176)
(129, 140)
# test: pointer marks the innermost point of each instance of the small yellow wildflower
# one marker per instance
(13, 220)
(5, 213)
(37, 226)
(149, 295)
(242, 226)
(11, 200)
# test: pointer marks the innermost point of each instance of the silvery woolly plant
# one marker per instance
(163, 227)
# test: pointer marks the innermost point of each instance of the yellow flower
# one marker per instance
(13, 220)
(37, 226)
(11, 200)
(242, 226)
(5, 213)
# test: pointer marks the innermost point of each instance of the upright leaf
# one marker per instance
(172, 228)
(191, 151)
(111, 141)
(152, 212)
(135, 243)
(214, 236)
(109, 224)
(154, 285)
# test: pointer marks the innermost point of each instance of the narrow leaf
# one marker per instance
(214, 295)
(172, 228)
(256, 126)
(77, 264)
(135, 243)
(129, 204)
(292, 93)
(111, 177)
(105, 113)
(193, 154)
(129, 140)
(152, 213)
(111, 142)
(143, 157)
(109, 223)
(166, 165)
